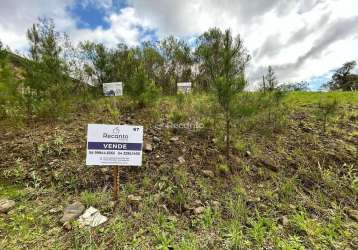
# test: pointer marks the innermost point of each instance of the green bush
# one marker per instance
(326, 109)
(142, 89)
(10, 97)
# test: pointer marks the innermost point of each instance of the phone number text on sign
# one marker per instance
(114, 145)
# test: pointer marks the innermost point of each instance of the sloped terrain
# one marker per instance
(290, 187)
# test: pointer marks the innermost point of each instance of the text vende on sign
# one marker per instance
(114, 145)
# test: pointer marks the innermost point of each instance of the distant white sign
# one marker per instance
(184, 87)
(119, 145)
(113, 89)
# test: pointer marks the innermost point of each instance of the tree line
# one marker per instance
(57, 75)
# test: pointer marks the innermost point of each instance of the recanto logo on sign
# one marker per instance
(111, 136)
(116, 134)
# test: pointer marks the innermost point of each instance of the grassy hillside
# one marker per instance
(288, 185)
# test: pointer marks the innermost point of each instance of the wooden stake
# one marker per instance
(115, 183)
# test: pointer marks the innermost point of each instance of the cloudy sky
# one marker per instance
(302, 40)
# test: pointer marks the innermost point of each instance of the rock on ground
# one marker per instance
(208, 173)
(284, 220)
(268, 164)
(72, 212)
(6, 205)
(134, 199)
(148, 147)
(353, 214)
(199, 210)
(181, 159)
(174, 139)
(92, 218)
(156, 139)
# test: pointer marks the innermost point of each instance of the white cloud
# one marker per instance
(301, 39)
(124, 27)
(283, 33)
(16, 16)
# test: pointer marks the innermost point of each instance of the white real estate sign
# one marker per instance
(113, 89)
(116, 145)
(184, 87)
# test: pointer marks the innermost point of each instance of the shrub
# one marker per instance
(326, 109)
(141, 88)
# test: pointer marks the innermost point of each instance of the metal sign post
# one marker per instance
(116, 183)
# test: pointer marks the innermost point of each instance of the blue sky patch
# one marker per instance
(148, 35)
(92, 15)
(315, 83)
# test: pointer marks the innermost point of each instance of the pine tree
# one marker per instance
(271, 79)
(226, 67)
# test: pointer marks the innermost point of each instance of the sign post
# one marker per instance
(114, 145)
(116, 183)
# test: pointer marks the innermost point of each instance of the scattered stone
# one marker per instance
(307, 129)
(254, 200)
(181, 159)
(105, 170)
(174, 139)
(72, 212)
(353, 214)
(92, 218)
(268, 164)
(6, 205)
(67, 226)
(248, 153)
(198, 203)
(156, 139)
(216, 204)
(54, 210)
(8, 134)
(283, 220)
(134, 199)
(107, 177)
(293, 207)
(148, 147)
(199, 210)
(208, 173)
(254, 168)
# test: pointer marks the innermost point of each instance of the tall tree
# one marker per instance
(178, 62)
(223, 60)
(10, 97)
(343, 79)
(46, 68)
(271, 79)
(46, 73)
(98, 65)
(152, 60)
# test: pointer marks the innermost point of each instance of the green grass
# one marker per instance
(309, 98)
(315, 184)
